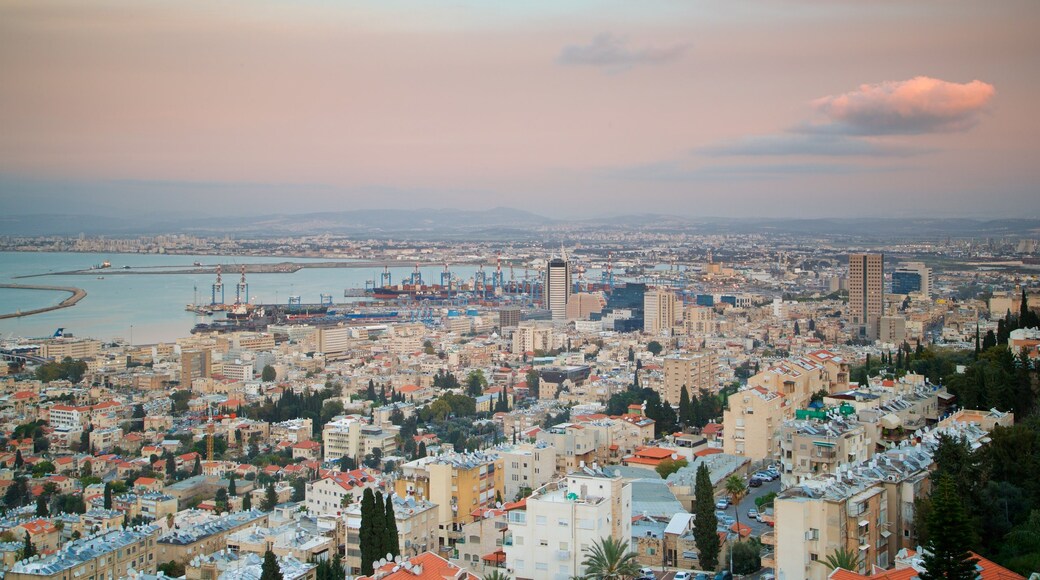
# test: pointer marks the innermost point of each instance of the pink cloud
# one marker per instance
(919, 105)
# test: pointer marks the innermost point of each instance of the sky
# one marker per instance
(735, 108)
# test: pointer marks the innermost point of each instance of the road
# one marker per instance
(757, 529)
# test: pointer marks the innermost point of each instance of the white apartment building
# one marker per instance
(526, 465)
(342, 436)
(559, 523)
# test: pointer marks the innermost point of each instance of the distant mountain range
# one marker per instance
(502, 223)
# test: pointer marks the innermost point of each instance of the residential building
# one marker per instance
(460, 484)
(695, 371)
(107, 555)
(425, 566)
(526, 466)
(200, 533)
(556, 526)
(532, 337)
(820, 442)
(336, 491)
(660, 306)
(342, 437)
(752, 418)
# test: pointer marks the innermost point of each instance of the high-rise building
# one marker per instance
(866, 293)
(557, 287)
(659, 308)
(196, 364)
(912, 277)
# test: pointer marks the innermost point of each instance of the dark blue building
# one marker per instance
(904, 282)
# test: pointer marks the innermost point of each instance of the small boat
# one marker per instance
(100, 277)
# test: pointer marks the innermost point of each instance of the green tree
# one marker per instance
(1021, 547)
(654, 347)
(843, 558)
(392, 541)
(108, 496)
(475, 383)
(705, 526)
(41, 506)
(747, 556)
(736, 489)
(28, 549)
(270, 498)
(496, 575)
(346, 463)
(685, 407)
(609, 559)
(669, 466)
(172, 569)
(197, 469)
(221, 500)
(270, 570)
(171, 468)
(247, 502)
(533, 383)
(947, 554)
(231, 488)
(367, 539)
(268, 374)
(299, 489)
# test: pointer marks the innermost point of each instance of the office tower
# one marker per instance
(508, 317)
(659, 308)
(196, 364)
(866, 293)
(557, 287)
(912, 277)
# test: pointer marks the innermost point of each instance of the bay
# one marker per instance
(149, 307)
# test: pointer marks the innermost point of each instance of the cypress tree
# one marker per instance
(365, 537)
(247, 502)
(108, 496)
(685, 410)
(705, 524)
(270, 570)
(947, 556)
(171, 467)
(18, 460)
(270, 498)
(392, 541)
(197, 470)
(41, 506)
(231, 487)
(29, 549)
(379, 527)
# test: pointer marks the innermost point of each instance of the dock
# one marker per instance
(77, 294)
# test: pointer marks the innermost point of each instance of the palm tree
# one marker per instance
(736, 489)
(496, 575)
(610, 559)
(843, 558)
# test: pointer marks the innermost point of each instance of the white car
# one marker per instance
(683, 576)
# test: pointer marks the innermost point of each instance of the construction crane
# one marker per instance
(211, 428)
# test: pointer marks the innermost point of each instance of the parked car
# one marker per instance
(647, 573)
(752, 513)
(702, 576)
(683, 576)
(723, 575)
(755, 482)
(722, 503)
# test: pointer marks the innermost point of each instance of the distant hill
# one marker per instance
(503, 224)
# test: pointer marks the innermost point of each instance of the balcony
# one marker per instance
(768, 559)
(769, 538)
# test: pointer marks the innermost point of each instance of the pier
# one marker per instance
(77, 295)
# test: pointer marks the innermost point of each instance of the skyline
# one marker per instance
(749, 109)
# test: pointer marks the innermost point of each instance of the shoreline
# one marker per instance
(234, 269)
(77, 295)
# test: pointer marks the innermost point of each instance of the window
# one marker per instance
(540, 520)
(543, 542)
(813, 557)
(563, 546)
(543, 566)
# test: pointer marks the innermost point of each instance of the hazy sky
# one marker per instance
(694, 107)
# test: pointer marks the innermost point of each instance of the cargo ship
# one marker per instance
(414, 291)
